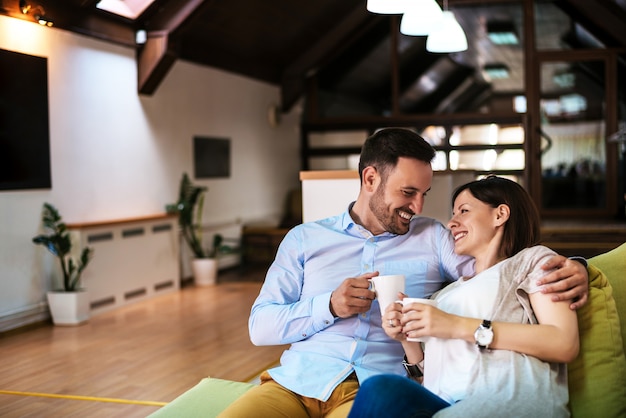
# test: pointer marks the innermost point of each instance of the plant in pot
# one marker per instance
(70, 305)
(189, 207)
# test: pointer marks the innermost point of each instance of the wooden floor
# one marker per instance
(152, 350)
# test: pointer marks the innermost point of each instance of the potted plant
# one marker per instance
(70, 305)
(189, 208)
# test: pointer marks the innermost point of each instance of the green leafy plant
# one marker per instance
(59, 243)
(189, 209)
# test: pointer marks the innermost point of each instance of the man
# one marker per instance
(316, 294)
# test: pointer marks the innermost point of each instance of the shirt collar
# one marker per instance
(348, 224)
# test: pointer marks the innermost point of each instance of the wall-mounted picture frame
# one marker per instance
(24, 125)
(211, 157)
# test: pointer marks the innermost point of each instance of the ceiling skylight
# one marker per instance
(130, 9)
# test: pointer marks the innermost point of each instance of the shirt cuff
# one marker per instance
(582, 260)
(321, 310)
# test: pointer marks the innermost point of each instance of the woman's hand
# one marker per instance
(422, 320)
(569, 280)
(392, 321)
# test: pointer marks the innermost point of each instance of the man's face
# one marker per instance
(399, 198)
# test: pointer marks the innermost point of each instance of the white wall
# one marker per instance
(116, 154)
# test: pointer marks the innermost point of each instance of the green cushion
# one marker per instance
(613, 264)
(597, 378)
(205, 400)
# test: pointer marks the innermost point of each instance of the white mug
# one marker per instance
(408, 301)
(387, 288)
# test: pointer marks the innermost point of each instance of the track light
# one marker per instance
(24, 7)
(38, 13)
(43, 20)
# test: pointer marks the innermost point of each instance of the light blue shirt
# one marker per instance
(313, 260)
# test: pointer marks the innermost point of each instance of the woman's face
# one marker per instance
(474, 225)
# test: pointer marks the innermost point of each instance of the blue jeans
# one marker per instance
(394, 396)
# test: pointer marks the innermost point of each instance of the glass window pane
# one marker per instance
(554, 29)
(573, 160)
(487, 160)
(491, 134)
(337, 139)
(330, 163)
(440, 162)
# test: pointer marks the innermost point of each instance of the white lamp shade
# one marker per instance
(448, 37)
(386, 7)
(421, 18)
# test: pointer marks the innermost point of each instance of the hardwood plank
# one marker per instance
(153, 350)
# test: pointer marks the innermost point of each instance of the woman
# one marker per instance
(497, 345)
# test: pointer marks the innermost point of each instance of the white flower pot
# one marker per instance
(204, 271)
(69, 308)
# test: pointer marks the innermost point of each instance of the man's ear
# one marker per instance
(371, 178)
(503, 212)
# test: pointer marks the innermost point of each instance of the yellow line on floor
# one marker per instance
(82, 398)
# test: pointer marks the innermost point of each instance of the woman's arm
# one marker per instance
(554, 339)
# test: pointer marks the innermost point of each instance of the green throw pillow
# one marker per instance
(613, 265)
(597, 378)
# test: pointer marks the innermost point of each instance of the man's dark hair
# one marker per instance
(382, 150)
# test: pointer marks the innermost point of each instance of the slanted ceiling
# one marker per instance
(284, 42)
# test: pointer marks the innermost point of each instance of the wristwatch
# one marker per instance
(484, 335)
(412, 370)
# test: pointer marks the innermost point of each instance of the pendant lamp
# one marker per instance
(386, 7)
(449, 35)
(421, 18)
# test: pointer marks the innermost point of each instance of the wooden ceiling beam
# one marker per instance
(160, 51)
(171, 16)
(606, 17)
(154, 60)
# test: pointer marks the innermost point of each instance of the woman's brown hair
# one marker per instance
(522, 230)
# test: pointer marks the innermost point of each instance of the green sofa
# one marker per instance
(597, 378)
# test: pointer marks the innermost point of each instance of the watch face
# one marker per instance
(484, 336)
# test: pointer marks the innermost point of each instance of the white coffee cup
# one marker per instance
(408, 301)
(387, 288)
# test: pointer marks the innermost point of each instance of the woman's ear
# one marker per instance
(503, 212)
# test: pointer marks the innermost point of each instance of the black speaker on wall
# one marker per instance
(24, 126)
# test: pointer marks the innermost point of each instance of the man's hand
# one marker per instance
(570, 281)
(352, 296)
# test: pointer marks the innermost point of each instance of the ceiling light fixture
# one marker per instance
(388, 7)
(37, 11)
(448, 36)
(42, 19)
(421, 18)
(24, 7)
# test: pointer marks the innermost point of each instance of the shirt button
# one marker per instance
(327, 322)
(304, 335)
(366, 266)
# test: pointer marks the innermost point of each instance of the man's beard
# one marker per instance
(389, 220)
